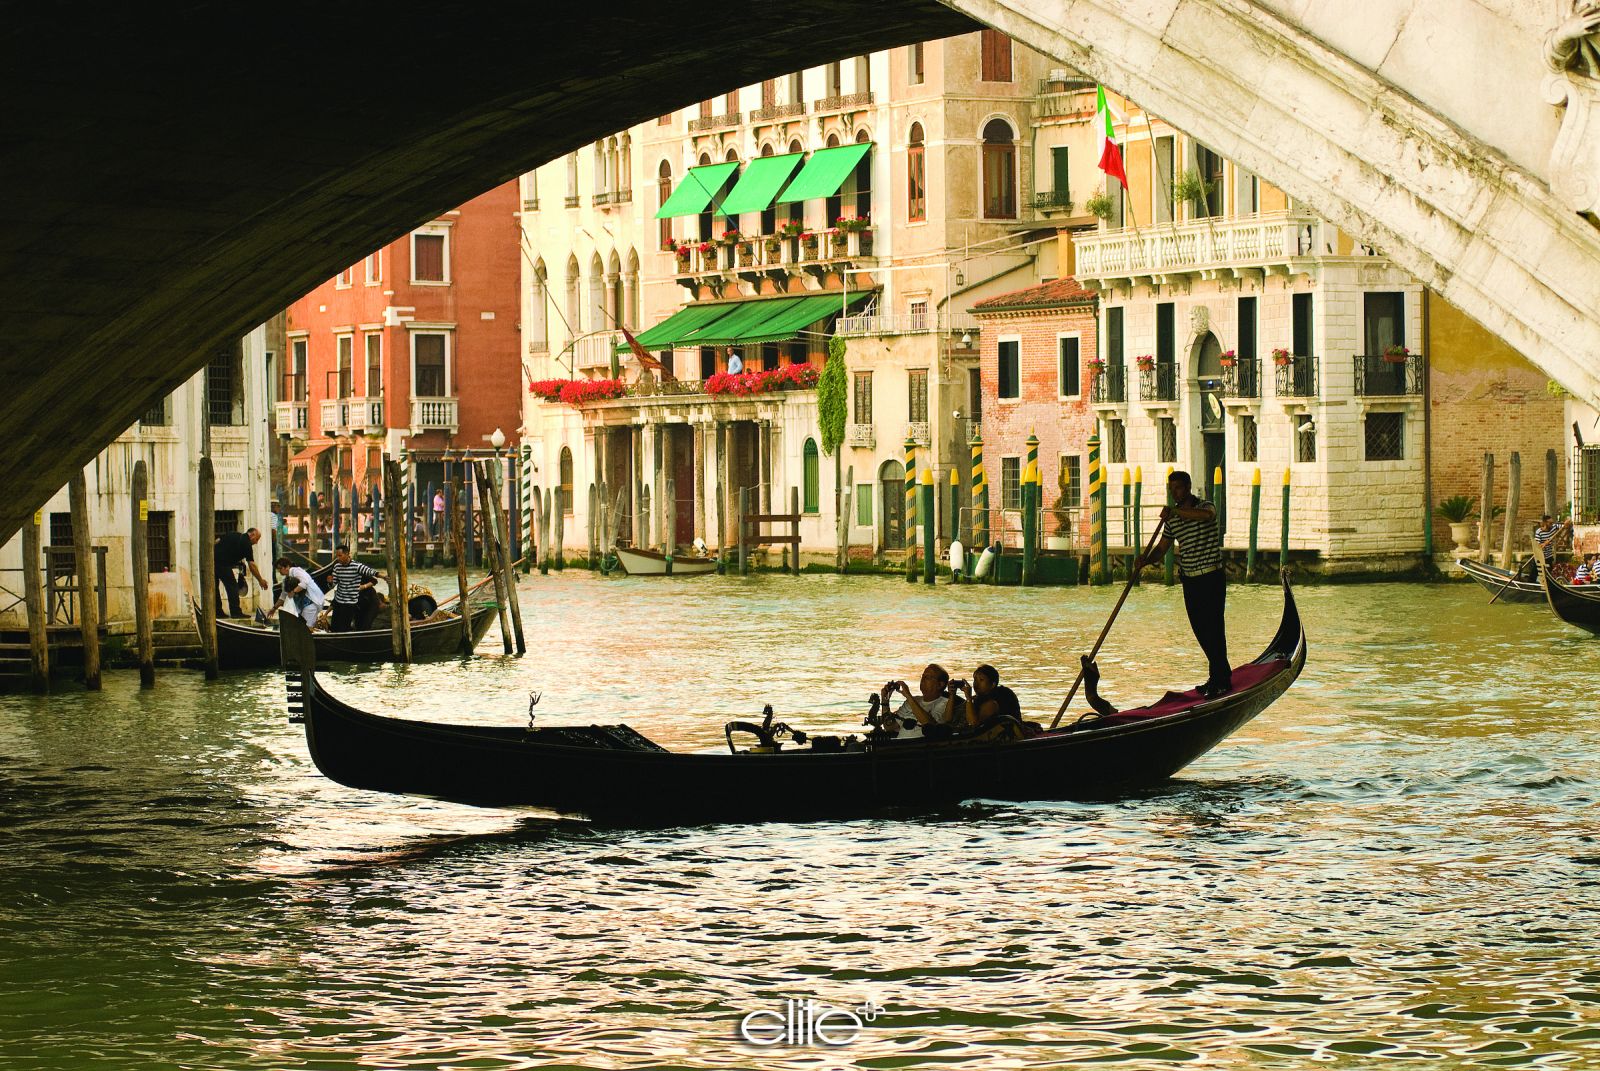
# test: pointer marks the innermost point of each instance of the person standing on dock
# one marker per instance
(231, 550)
(1191, 523)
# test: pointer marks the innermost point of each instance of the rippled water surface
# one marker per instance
(1398, 861)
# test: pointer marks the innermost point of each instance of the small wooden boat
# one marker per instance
(1575, 605)
(613, 773)
(1524, 588)
(241, 645)
(638, 562)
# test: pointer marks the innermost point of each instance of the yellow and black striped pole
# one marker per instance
(1167, 563)
(1030, 518)
(1032, 459)
(980, 497)
(911, 509)
(1098, 573)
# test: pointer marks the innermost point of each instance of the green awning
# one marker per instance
(698, 187)
(776, 320)
(762, 179)
(825, 172)
(680, 325)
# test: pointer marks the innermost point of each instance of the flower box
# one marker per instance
(1396, 354)
(791, 377)
(1228, 359)
(1282, 357)
(1145, 363)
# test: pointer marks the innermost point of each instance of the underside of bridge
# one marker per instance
(176, 175)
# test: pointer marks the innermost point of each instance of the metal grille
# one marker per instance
(1116, 442)
(1305, 438)
(158, 540)
(1297, 378)
(1385, 434)
(226, 520)
(1586, 465)
(156, 416)
(1166, 439)
(1159, 383)
(1247, 438)
(1111, 385)
(1011, 483)
(224, 393)
(1243, 380)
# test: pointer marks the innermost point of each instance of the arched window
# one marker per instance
(564, 492)
(663, 191)
(705, 218)
(916, 177)
(630, 291)
(999, 171)
(574, 304)
(538, 314)
(615, 309)
(811, 493)
(863, 177)
(597, 318)
(833, 207)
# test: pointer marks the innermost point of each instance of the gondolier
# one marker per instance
(349, 578)
(1545, 533)
(1191, 523)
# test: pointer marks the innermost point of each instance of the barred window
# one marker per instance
(1166, 439)
(225, 388)
(158, 540)
(1011, 483)
(1116, 442)
(1385, 435)
(1247, 438)
(225, 520)
(863, 398)
(159, 415)
(1072, 466)
(1305, 438)
(60, 530)
(918, 390)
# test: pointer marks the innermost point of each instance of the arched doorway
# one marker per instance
(892, 506)
(1206, 359)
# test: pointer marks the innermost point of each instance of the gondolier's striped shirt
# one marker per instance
(1199, 544)
(347, 580)
(1546, 538)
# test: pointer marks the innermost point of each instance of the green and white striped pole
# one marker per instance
(1098, 571)
(1283, 536)
(929, 513)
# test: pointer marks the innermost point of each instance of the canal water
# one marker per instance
(1399, 861)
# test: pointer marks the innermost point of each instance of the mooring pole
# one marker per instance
(1166, 564)
(911, 509)
(1099, 564)
(1255, 519)
(1486, 509)
(88, 589)
(139, 547)
(929, 518)
(205, 504)
(1283, 535)
(794, 530)
(33, 596)
(1138, 521)
(955, 520)
(458, 545)
(491, 552)
(980, 496)
(399, 563)
(744, 547)
(502, 530)
(1030, 522)
(558, 520)
(1508, 546)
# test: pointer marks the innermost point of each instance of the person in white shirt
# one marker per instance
(931, 707)
(300, 591)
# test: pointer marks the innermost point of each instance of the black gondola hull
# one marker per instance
(1495, 581)
(247, 647)
(511, 767)
(1576, 606)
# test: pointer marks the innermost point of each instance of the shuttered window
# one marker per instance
(996, 48)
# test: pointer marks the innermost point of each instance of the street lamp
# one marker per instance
(497, 440)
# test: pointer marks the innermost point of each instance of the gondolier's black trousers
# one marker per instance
(230, 586)
(1203, 597)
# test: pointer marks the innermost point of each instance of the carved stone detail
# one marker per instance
(1572, 51)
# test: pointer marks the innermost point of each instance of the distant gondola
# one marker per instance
(243, 646)
(1575, 605)
(612, 773)
(1525, 588)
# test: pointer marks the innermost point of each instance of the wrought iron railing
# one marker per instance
(1296, 377)
(1388, 377)
(778, 111)
(1159, 382)
(713, 122)
(1242, 379)
(842, 101)
(1111, 385)
(1053, 199)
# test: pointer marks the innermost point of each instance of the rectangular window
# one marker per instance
(863, 398)
(429, 259)
(1383, 321)
(1114, 352)
(916, 184)
(996, 62)
(346, 372)
(374, 380)
(1167, 440)
(1060, 175)
(374, 265)
(915, 71)
(1118, 196)
(158, 540)
(1011, 483)
(1166, 333)
(159, 415)
(344, 279)
(769, 94)
(917, 387)
(1010, 385)
(1067, 366)
(225, 388)
(1247, 438)
(1166, 155)
(730, 103)
(1305, 437)
(1246, 193)
(708, 362)
(919, 316)
(294, 387)
(1209, 164)
(1301, 316)
(1385, 435)
(60, 530)
(864, 505)
(225, 521)
(1247, 329)
(429, 380)
(975, 395)
(665, 120)
(1116, 442)
(832, 80)
(1072, 465)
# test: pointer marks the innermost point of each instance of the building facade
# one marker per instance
(412, 354)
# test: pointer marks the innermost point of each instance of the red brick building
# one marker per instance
(1035, 379)
(413, 353)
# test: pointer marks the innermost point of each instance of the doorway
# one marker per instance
(1207, 360)
(892, 504)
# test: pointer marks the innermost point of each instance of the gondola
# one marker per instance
(1525, 588)
(611, 773)
(1575, 605)
(639, 562)
(246, 646)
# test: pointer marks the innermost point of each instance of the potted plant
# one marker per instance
(1192, 188)
(838, 239)
(668, 245)
(747, 254)
(791, 228)
(683, 256)
(730, 237)
(1099, 206)
(1396, 354)
(1145, 361)
(773, 245)
(1281, 356)
(808, 242)
(1096, 365)
(1228, 359)
(1456, 510)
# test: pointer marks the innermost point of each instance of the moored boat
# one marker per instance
(613, 773)
(247, 646)
(1575, 605)
(639, 562)
(1510, 585)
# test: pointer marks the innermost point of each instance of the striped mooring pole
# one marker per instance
(929, 514)
(1255, 519)
(1098, 572)
(528, 512)
(1030, 521)
(912, 535)
(1167, 564)
(1138, 521)
(1283, 536)
(980, 497)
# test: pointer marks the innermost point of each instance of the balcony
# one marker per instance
(596, 350)
(1270, 243)
(1110, 386)
(713, 122)
(772, 256)
(778, 111)
(862, 435)
(1159, 382)
(572, 200)
(1380, 377)
(434, 414)
(843, 102)
(293, 419)
(909, 323)
(1053, 201)
(1296, 378)
(366, 416)
(1060, 96)
(335, 417)
(1243, 380)
(917, 432)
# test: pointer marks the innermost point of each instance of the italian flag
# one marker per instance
(1110, 155)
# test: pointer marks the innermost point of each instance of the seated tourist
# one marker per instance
(986, 698)
(1585, 571)
(931, 707)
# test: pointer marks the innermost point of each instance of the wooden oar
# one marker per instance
(1132, 575)
(1512, 580)
(470, 591)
